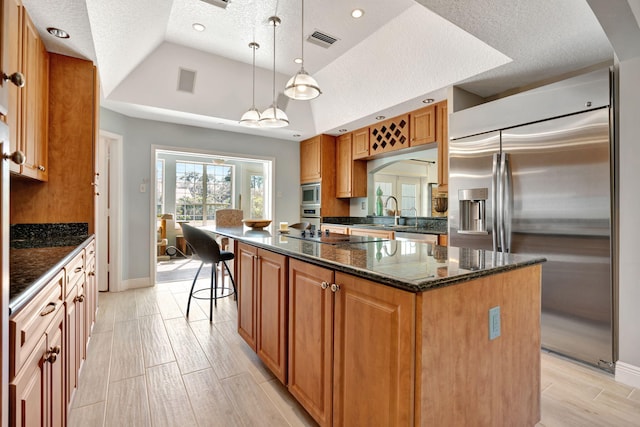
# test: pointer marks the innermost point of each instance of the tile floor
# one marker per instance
(148, 366)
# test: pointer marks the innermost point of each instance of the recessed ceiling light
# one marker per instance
(296, 135)
(298, 60)
(199, 27)
(61, 34)
(428, 101)
(357, 13)
(381, 117)
(342, 130)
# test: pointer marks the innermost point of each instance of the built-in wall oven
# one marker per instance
(310, 195)
(310, 214)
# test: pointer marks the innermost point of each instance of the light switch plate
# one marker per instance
(494, 322)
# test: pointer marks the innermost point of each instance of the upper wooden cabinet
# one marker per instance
(442, 134)
(360, 143)
(28, 106)
(310, 160)
(318, 164)
(351, 175)
(422, 129)
(389, 135)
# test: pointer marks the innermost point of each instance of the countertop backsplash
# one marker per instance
(48, 235)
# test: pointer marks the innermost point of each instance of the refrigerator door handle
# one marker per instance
(506, 198)
(494, 202)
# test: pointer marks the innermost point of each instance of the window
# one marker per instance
(202, 189)
(408, 198)
(256, 187)
(159, 186)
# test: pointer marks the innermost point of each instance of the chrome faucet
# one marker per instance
(395, 212)
(415, 216)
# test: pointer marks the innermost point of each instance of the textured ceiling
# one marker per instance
(400, 52)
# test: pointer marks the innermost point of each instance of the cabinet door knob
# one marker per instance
(41, 168)
(16, 157)
(79, 298)
(16, 78)
(334, 287)
(324, 285)
(52, 354)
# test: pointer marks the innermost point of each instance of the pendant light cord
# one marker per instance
(302, 38)
(274, 67)
(253, 96)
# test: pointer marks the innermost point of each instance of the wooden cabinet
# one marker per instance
(28, 106)
(246, 276)
(318, 164)
(371, 232)
(37, 365)
(262, 305)
(360, 143)
(389, 135)
(332, 360)
(379, 360)
(422, 127)
(335, 228)
(443, 240)
(73, 103)
(76, 313)
(310, 160)
(442, 132)
(311, 339)
(351, 175)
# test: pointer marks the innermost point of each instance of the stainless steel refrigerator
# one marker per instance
(545, 188)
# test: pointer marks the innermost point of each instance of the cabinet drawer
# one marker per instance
(90, 251)
(28, 325)
(74, 271)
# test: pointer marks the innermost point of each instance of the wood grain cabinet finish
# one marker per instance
(347, 336)
(442, 132)
(384, 234)
(422, 126)
(37, 392)
(28, 106)
(360, 143)
(335, 228)
(318, 164)
(351, 175)
(311, 339)
(246, 278)
(262, 305)
(389, 135)
(310, 158)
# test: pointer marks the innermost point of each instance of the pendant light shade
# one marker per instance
(302, 86)
(273, 117)
(252, 117)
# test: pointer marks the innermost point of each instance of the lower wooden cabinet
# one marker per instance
(262, 305)
(37, 391)
(383, 234)
(349, 335)
(48, 342)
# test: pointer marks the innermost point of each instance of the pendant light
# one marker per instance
(273, 117)
(302, 86)
(252, 117)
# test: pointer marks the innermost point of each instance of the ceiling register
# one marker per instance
(300, 87)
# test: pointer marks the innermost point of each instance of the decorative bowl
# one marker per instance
(256, 224)
(440, 204)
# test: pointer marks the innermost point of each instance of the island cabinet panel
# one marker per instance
(246, 257)
(311, 339)
(465, 387)
(374, 338)
(271, 343)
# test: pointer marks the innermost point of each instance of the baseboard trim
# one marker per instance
(141, 282)
(628, 374)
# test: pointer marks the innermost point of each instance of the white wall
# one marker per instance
(629, 212)
(139, 135)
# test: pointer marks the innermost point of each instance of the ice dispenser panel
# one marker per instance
(473, 210)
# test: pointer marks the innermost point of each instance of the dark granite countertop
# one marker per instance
(34, 262)
(420, 225)
(409, 265)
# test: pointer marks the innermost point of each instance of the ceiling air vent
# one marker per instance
(220, 3)
(322, 39)
(186, 80)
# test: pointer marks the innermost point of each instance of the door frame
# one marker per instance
(109, 212)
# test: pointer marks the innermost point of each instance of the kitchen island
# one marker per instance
(365, 331)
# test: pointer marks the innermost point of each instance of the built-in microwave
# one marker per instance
(310, 194)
